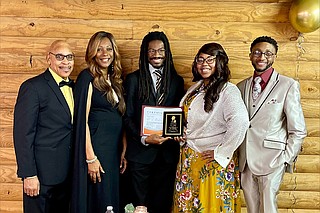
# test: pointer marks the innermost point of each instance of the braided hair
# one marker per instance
(169, 71)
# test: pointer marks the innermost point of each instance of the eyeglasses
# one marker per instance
(160, 51)
(258, 53)
(209, 60)
(60, 57)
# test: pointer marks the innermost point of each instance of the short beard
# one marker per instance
(259, 70)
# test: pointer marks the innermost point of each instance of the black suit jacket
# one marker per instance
(136, 151)
(42, 130)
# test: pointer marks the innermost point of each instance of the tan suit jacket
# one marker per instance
(277, 126)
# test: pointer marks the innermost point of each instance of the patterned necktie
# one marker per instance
(256, 88)
(160, 95)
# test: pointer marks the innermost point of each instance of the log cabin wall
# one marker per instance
(28, 27)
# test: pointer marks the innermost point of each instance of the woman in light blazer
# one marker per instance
(207, 177)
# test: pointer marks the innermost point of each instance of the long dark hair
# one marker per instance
(168, 68)
(114, 70)
(218, 79)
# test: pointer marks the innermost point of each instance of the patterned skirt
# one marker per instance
(202, 187)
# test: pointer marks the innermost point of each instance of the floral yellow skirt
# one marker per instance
(202, 187)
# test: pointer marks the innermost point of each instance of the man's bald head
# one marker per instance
(58, 44)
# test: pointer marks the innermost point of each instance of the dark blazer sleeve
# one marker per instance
(133, 105)
(24, 129)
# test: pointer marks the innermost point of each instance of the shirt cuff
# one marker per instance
(30, 177)
(143, 140)
(223, 159)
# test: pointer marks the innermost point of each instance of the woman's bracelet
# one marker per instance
(92, 160)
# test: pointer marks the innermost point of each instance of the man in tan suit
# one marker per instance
(276, 130)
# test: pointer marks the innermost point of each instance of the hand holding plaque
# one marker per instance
(163, 121)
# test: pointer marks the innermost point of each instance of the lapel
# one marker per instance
(247, 92)
(274, 80)
(56, 90)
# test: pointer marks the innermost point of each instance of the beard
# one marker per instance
(155, 64)
(261, 70)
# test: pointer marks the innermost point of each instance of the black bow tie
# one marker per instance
(70, 83)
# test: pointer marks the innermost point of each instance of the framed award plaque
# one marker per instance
(172, 124)
(163, 121)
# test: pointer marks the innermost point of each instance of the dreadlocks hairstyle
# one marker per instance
(114, 70)
(168, 68)
(264, 39)
(218, 79)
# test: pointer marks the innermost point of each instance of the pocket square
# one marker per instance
(272, 101)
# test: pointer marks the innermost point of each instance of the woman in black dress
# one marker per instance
(99, 107)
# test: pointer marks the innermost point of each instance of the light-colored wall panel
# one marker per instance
(157, 10)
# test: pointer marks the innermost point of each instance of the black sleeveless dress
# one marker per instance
(105, 124)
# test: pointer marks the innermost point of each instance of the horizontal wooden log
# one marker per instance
(65, 28)
(7, 156)
(129, 49)
(140, 10)
(311, 108)
(6, 138)
(308, 164)
(8, 174)
(299, 182)
(310, 89)
(311, 146)
(11, 191)
(295, 200)
(313, 127)
(11, 206)
(215, 31)
(212, 30)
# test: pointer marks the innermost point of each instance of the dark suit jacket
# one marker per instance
(136, 151)
(42, 130)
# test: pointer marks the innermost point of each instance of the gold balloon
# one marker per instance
(304, 15)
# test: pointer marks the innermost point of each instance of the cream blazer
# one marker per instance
(222, 129)
(277, 126)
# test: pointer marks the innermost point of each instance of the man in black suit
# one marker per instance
(43, 134)
(152, 159)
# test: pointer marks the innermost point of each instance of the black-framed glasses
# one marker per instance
(60, 57)
(209, 60)
(258, 53)
(161, 51)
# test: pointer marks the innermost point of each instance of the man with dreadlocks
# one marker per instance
(152, 159)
